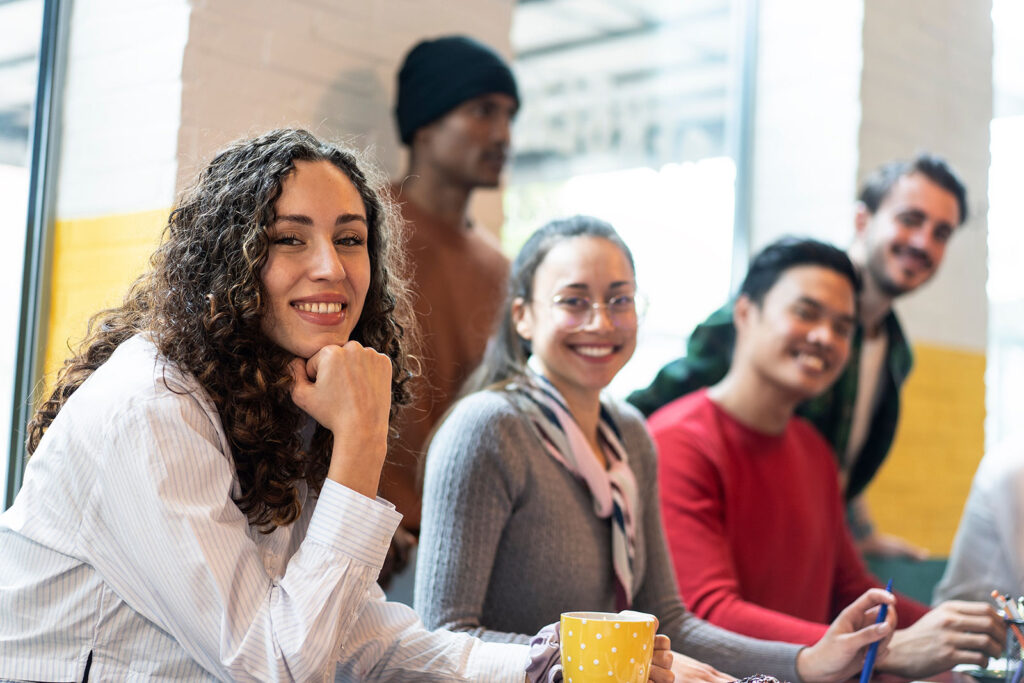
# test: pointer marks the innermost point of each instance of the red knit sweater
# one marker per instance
(755, 524)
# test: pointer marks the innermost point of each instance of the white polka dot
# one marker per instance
(615, 649)
(645, 646)
(596, 662)
(584, 621)
(634, 634)
(568, 658)
(610, 674)
(583, 646)
(632, 661)
(598, 636)
(618, 625)
(570, 633)
(641, 670)
(581, 667)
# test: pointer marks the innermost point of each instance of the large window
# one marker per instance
(20, 30)
(1005, 372)
(631, 113)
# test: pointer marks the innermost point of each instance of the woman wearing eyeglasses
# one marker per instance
(540, 493)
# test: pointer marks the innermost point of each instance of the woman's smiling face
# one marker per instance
(580, 356)
(317, 271)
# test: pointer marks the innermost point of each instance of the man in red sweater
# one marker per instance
(750, 493)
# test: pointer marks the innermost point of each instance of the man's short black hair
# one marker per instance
(878, 185)
(789, 252)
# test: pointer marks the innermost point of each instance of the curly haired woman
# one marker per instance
(200, 500)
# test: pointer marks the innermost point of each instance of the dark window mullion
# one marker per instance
(32, 322)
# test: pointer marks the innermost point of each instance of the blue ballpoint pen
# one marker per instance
(1017, 673)
(869, 660)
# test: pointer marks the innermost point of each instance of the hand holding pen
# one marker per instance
(841, 651)
(869, 660)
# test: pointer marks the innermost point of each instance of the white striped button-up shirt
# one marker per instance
(124, 543)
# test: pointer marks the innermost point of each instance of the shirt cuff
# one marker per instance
(352, 524)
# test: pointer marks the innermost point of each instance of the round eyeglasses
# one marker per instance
(574, 312)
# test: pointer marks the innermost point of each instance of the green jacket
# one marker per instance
(709, 353)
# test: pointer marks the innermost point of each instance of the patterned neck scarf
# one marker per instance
(613, 490)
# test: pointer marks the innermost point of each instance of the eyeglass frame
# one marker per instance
(637, 310)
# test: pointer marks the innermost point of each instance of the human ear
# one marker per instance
(522, 318)
(861, 218)
(741, 311)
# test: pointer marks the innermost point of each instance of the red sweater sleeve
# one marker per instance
(693, 508)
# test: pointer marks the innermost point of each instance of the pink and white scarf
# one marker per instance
(613, 490)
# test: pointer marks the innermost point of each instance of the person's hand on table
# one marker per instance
(886, 545)
(545, 657)
(840, 652)
(689, 669)
(870, 541)
(955, 632)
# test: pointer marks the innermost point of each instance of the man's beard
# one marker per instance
(885, 284)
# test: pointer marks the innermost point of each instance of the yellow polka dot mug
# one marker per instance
(606, 647)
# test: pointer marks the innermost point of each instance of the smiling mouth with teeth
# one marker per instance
(594, 351)
(319, 307)
(813, 361)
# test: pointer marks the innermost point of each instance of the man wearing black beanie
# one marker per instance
(455, 104)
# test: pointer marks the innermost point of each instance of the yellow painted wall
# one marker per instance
(94, 261)
(920, 491)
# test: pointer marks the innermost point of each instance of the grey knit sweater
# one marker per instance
(509, 541)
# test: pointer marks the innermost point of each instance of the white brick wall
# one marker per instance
(927, 85)
(251, 65)
(806, 119)
(154, 88)
(844, 86)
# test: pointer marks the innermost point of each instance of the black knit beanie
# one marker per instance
(439, 75)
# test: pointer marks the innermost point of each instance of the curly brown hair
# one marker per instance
(202, 301)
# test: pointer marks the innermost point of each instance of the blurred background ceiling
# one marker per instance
(644, 81)
(620, 83)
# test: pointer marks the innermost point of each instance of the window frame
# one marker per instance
(35, 290)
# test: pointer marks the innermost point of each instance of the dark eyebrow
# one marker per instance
(914, 213)
(809, 301)
(585, 286)
(849, 320)
(350, 218)
(817, 305)
(306, 220)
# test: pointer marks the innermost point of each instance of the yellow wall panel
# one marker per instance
(920, 492)
(94, 261)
